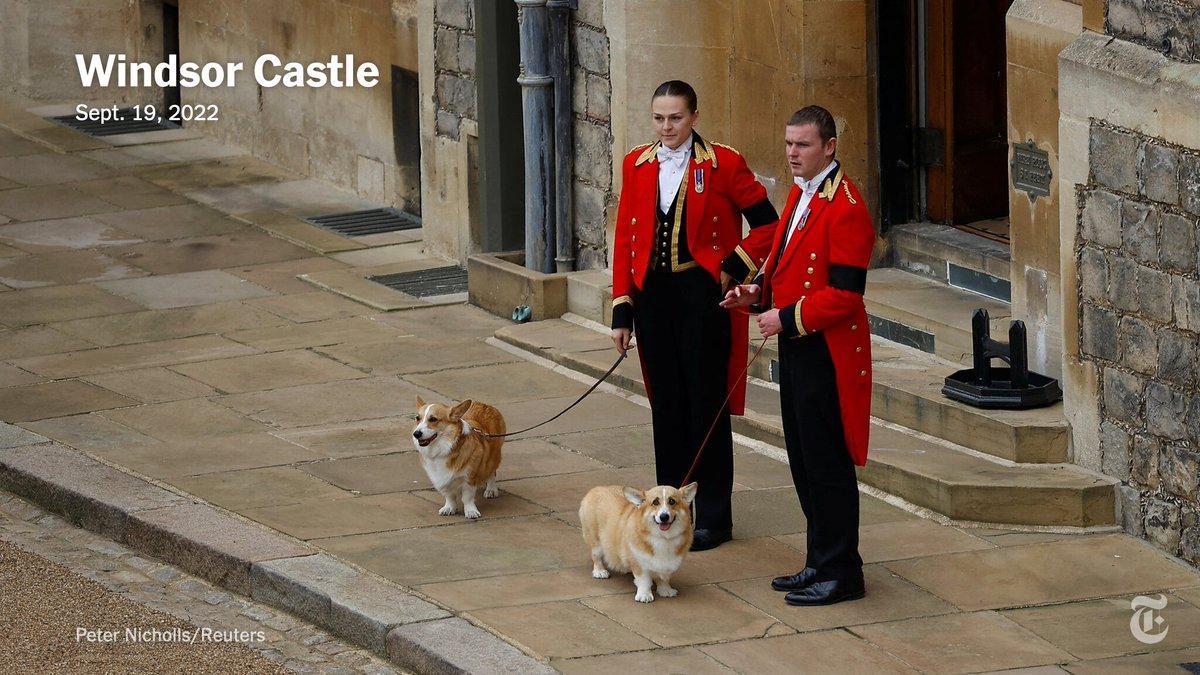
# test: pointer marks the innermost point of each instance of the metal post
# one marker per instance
(535, 82)
(564, 146)
(980, 332)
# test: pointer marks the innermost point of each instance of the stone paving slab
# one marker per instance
(352, 439)
(39, 341)
(519, 381)
(51, 169)
(417, 355)
(259, 372)
(827, 651)
(564, 492)
(194, 150)
(282, 277)
(315, 306)
(65, 234)
(623, 446)
(208, 543)
(956, 643)
(1108, 633)
(56, 399)
(151, 385)
(459, 320)
(742, 558)
(913, 538)
(695, 616)
(464, 550)
(1072, 569)
(295, 197)
(220, 172)
(315, 334)
(351, 515)
(1154, 662)
(332, 594)
(90, 493)
(678, 660)
(129, 193)
(299, 232)
(165, 223)
(12, 145)
(372, 475)
(131, 357)
(51, 202)
(890, 598)
(185, 289)
(598, 411)
(562, 629)
(237, 249)
(221, 452)
(455, 646)
(12, 436)
(252, 488)
(313, 404)
(185, 421)
(12, 376)
(383, 255)
(63, 267)
(529, 588)
(59, 303)
(90, 433)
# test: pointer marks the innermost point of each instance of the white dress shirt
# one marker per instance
(807, 190)
(672, 167)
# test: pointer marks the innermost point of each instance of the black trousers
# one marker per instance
(821, 466)
(683, 336)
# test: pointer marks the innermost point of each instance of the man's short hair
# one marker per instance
(815, 114)
(677, 88)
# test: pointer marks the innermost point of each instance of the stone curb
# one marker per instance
(356, 606)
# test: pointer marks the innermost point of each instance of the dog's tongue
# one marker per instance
(664, 526)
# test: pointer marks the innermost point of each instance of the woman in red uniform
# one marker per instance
(678, 245)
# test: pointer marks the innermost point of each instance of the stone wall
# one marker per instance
(1140, 326)
(593, 195)
(1168, 26)
(454, 63)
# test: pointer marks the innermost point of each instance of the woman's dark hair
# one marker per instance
(677, 88)
(815, 114)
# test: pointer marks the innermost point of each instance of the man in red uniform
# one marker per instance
(678, 246)
(811, 291)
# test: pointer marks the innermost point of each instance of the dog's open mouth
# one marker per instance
(665, 526)
(424, 442)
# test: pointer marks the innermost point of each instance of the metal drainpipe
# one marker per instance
(535, 84)
(564, 142)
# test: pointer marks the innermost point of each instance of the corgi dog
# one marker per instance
(645, 533)
(458, 458)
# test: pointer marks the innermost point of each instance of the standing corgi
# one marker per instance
(646, 533)
(457, 458)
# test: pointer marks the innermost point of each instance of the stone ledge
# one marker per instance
(453, 646)
(90, 493)
(299, 232)
(331, 594)
(499, 283)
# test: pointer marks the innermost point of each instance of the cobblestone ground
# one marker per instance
(56, 578)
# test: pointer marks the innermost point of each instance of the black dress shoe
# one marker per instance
(827, 593)
(795, 581)
(702, 540)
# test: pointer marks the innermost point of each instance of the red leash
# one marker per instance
(713, 426)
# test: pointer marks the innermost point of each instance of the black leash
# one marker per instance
(579, 400)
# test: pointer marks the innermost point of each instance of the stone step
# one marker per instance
(930, 250)
(922, 470)
(919, 312)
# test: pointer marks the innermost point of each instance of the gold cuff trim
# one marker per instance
(798, 317)
(753, 269)
(622, 300)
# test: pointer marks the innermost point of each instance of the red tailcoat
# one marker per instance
(720, 188)
(817, 283)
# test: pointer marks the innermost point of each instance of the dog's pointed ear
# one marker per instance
(420, 403)
(689, 492)
(635, 496)
(459, 410)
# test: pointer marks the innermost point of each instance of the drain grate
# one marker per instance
(371, 221)
(425, 283)
(126, 123)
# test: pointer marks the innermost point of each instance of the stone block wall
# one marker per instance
(1171, 27)
(454, 64)
(593, 197)
(1139, 326)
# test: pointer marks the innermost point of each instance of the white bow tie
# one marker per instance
(676, 156)
(808, 186)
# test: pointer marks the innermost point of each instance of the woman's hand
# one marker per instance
(621, 338)
(741, 296)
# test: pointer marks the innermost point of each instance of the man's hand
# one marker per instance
(769, 324)
(621, 338)
(741, 296)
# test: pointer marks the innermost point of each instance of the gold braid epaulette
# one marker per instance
(727, 147)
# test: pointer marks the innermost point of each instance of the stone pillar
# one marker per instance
(536, 81)
(564, 158)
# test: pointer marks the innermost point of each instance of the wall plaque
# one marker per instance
(1031, 170)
